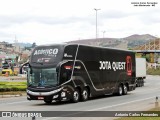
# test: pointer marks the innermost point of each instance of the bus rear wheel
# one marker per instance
(85, 94)
(76, 96)
(125, 90)
(120, 90)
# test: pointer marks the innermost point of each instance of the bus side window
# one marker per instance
(63, 76)
(66, 71)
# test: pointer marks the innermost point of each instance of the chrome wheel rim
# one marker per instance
(125, 89)
(120, 90)
(75, 95)
(85, 94)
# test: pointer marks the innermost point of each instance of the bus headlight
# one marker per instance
(63, 94)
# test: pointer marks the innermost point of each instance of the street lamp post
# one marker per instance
(96, 21)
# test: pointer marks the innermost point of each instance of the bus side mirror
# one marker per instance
(57, 68)
(20, 70)
(22, 66)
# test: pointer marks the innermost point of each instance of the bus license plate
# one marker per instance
(40, 98)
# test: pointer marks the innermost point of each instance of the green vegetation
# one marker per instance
(141, 55)
(152, 71)
(12, 86)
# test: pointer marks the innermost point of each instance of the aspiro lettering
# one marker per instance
(46, 52)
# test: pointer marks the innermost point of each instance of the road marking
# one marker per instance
(102, 108)
(121, 104)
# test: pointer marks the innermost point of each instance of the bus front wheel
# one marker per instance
(76, 96)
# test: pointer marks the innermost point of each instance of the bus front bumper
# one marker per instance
(58, 94)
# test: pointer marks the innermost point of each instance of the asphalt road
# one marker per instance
(143, 98)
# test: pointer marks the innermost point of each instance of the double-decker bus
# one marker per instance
(77, 72)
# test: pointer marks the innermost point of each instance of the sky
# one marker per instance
(58, 21)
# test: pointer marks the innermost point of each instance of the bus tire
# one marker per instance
(48, 101)
(125, 90)
(120, 90)
(85, 94)
(76, 96)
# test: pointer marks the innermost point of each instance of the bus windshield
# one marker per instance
(42, 77)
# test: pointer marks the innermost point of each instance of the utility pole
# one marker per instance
(96, 22)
